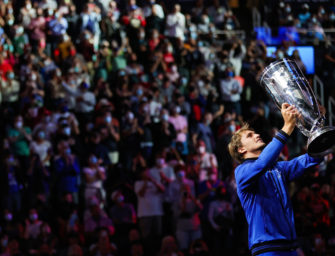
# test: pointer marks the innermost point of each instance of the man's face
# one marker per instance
(251, 142)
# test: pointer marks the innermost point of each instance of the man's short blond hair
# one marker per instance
(235, 143)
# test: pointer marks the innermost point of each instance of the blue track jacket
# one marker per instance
(262, 189)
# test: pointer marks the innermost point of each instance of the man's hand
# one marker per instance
(290, 115)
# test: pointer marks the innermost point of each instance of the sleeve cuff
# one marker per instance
(282, 136)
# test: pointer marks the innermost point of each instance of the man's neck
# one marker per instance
(252, 154)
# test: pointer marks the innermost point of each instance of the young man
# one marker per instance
(262, 186)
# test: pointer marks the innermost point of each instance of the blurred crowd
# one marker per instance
(116, 116)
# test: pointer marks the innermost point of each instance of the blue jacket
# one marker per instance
(262, 189)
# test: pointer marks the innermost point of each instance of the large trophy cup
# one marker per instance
(284, 82)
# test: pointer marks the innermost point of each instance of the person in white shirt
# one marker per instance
(42, 147)
(10, 89)
(85, 100)
(175, 24)
(94, 178)
(158, 9)
(150, 205)
(231, 91)
(162, 172)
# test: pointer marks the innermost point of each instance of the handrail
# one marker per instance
(331, 106)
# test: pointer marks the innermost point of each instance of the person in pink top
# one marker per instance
(181, 126)
(37, 28)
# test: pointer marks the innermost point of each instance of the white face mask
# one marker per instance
(130, 116)
(160, 161)
(19, 124)
(165, 117)
(202, 149)
(67, 131)
(280, 55)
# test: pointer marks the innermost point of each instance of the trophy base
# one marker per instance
(321, 142)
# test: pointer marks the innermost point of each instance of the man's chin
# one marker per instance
(262, 146)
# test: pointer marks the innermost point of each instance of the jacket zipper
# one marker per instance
(281, 195)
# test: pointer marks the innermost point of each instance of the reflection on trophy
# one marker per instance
(284, 82)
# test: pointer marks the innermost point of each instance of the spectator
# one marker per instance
(67, 171)
(181, 126)
(175, 24)
(97, 220)
(220, 216)
(231, 90)
(169, 247)
(204, 133)
(95, 175)
(206, 161)
(150, 207)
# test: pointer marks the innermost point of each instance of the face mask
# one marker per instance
(93, 160)
(8, 217)
(10, 22)
(47, 119)
(130, 116)
(41, 135)
(19, 124)
(177, 109)
(165, 117)
(181, 174)
(50, 12)
(169, 49)
(232, 128)
(11, 160)
(33, 77)
(120, 199)
(208, 122)
(288, 9)
(280, 55)
(160, 161)
(202, 149)
(33, 112)
(213, 177)
(28, 6)
(19, 30)
(33, 216)
(183, 81)
(139, 92)
(67, 131)
(108, 119)
(11, 75)
(68, 151)
(230, 74)
(56, 15)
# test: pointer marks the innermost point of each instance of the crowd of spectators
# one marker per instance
(116, 117)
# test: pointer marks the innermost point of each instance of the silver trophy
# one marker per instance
(284, 82)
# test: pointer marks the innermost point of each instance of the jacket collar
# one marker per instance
(249, 159)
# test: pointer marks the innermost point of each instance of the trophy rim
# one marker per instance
(271, 65)
(326, 131)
